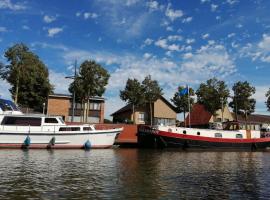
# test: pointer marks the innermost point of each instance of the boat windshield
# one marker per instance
(7, 105)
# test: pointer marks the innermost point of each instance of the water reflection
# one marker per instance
(133, 174)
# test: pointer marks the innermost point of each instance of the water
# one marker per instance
(133, 174)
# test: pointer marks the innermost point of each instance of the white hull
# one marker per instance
(97, 139)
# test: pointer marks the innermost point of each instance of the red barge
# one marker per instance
(231, 137)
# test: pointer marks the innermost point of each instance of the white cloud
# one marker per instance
(7, 4)
(131, 2)
(24, 27)
(260, 93)
(78, 14)
(51, 46)
(147, 55)
(214, 7)
(59, 82)
(53, 31)
(48, 19)
(231, 35)
(173, 14)
(190, 40)
(153, 5)
(3, 29)
(187, 20)
(169, 28)
(175, 38)
(162, 43)
(209, 61)
(87, 15)
(239, 26)
(187, 55)
(204, 1)
(205, 36)
(148, 41)
(258, 51)
(4, 92)
(231, 2)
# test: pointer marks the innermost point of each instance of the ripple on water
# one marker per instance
(133, 174)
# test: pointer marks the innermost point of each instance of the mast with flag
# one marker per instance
(183, 92)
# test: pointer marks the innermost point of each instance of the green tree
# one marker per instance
(268, 99)
(28, 77)
(90, 82)
(152, 92)
(181, 101)
(242, 102)
(213, 95)
(133, 94)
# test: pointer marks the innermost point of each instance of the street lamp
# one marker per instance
(73, 95)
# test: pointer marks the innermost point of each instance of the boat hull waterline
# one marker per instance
(162, 139)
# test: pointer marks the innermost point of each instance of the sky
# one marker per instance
(177, 42)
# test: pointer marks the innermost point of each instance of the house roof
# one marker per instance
(254, 118)
(128, 107)
(198, 116)
(57, 95)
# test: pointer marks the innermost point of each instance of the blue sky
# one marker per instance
(177, 42)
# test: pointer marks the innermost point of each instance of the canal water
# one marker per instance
(133, 174)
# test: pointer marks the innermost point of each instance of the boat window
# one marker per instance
(184, 132)
(69, 129)
(239, 136)
(51, 120)
(87, 128)
(218, 135)
(22, 121)
(198, 133)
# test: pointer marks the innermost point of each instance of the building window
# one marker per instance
(141, 117)
(95, 106)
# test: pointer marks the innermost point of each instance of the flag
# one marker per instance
(183, 91)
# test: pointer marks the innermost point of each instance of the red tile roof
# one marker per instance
(198, 116)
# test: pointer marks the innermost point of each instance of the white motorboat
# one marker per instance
(18, 130)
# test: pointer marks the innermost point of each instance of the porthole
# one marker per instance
(184, 132)
(198, 133)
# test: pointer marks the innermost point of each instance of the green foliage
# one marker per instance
(27, 75)
(133, 92)
(152, 92)
(268, 99)
(181, 102)
(242, 102)
(152, 89)
(213, 94)
(91, 80)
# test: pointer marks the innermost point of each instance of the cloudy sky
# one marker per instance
(177, 42)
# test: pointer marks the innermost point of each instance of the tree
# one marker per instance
(242, 102)
(268, 99)
(91, 81)
(133, 94)
(181, 101)
(28, 77)
(213, 95)
(152, 92)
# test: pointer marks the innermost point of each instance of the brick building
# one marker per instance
(61, 104)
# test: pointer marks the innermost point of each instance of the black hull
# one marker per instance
(150, 140)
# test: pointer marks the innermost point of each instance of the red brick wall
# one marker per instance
(58, 106)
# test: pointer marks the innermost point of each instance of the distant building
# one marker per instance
(201, 118)
(61, 104)
(254, 121)
(163, 113)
